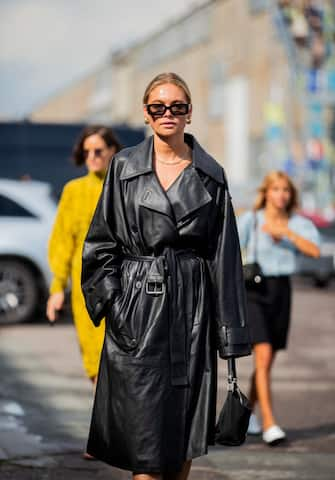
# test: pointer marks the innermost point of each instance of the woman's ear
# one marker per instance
(189, 116)
(146, 115)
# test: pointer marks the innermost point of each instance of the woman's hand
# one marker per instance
(303, 245)
(280, 230)
(276, 230)
(54, 305)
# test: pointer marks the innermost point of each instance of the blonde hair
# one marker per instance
(169, 77)
(271, 177)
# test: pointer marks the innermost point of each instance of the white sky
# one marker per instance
(45, 44)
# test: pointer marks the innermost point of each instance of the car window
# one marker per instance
(9, 208)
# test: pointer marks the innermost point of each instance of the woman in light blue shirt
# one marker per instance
(273, 236)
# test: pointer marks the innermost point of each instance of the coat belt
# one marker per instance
(165, 275)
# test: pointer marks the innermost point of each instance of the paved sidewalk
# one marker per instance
(45, 403)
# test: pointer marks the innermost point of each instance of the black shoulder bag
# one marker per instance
(233, 422)
(252, 272)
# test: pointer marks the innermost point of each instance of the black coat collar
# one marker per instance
(139, 160)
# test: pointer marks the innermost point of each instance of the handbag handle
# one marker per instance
(254, 229)
(231, 367)
(232, 376)
(256, 236)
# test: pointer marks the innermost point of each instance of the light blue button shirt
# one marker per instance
(274, 258)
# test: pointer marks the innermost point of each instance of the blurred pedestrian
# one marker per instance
(273, 236)
(95, 148)
(162, 263)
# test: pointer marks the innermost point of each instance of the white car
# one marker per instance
(27, 212)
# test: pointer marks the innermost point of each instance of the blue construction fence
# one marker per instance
(42, 151)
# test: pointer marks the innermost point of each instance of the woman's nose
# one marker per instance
(168, 114)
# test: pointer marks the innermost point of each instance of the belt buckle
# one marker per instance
(154, 287)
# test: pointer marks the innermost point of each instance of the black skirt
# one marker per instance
(269, 312)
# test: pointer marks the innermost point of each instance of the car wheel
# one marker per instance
(321, 282)
(19, 292)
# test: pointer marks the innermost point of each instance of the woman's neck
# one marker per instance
(98, 175)
(170, 148)
(274, 213)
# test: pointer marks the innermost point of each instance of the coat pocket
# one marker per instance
(135, 312)
(125, 324)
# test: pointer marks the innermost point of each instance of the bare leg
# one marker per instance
(264, 356)
(253, 391)
(182, 475)
(147, 476)
(253, 398)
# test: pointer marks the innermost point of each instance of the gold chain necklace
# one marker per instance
(170, 163)
(177, 162)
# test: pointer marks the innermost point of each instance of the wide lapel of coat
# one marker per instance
(139, 164)
(205, 162)
(188, 193)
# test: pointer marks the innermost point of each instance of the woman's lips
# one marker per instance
(168, 124)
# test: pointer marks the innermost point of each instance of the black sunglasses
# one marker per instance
(97, 152)
(176, 109)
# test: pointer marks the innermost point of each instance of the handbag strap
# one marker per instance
(232, 379)
(255, 229)
(232, 376)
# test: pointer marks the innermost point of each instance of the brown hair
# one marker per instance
(105, 133)
(271, 177)
(169, 77)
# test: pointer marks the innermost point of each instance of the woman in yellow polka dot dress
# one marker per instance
(95, 148)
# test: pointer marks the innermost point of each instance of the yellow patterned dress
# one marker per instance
(74, 214)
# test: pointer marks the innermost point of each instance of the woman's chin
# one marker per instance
(167, 132)
(96, 170)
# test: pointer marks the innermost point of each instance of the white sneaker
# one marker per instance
(254, 427)
(274, 435)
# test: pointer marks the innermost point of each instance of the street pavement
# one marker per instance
(45, 403)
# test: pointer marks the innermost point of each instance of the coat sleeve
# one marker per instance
(228, 285)
(100, 278)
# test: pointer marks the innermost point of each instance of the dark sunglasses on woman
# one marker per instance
(97, 152)
(176, 109)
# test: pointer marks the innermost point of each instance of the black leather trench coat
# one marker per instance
(164, 269)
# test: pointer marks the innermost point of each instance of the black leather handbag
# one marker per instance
(252, 272)
(253, 275)
(233, 422)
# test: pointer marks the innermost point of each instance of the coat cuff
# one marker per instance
(233, 341)
(99, 296)
(57, 285)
